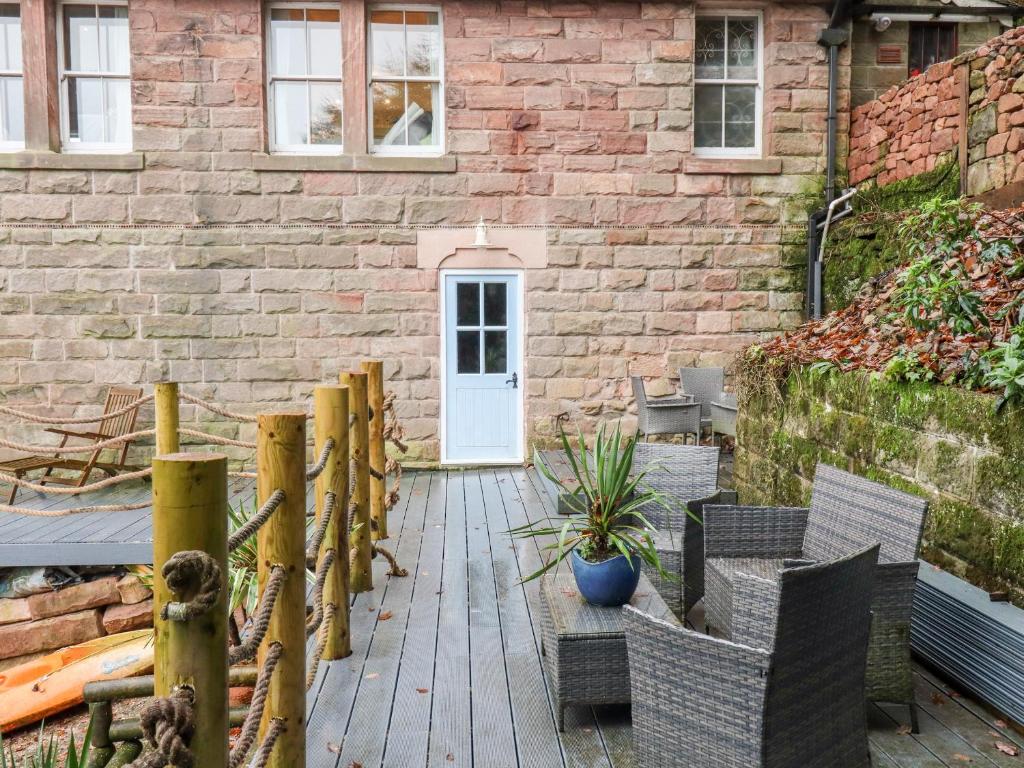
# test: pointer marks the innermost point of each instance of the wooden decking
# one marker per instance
(446, 668)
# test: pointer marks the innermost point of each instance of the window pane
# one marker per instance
(387, 43)
(709, 50)
(287, 41)
(325, 126)
(81, 38)
(423, 103)
(119, 111)
(324, 42)
(85, 109)
(114, 55)
(468, 353)
(740, 107)
(495, 301)
(291, 113)
(467, 304)
(495, 352)
(742, 47)
(388, 110)
(12, 112)
(707, 111)
(423, 35)
(10, 37)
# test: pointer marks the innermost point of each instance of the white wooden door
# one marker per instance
(483, 385)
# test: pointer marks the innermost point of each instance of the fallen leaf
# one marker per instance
(354, 764)
(938, 699)
(422, 690)
(332, 747)
(372, 676)
(450, 757)
(1000, 724)
(1007, 749)
(961, 758)
(903, 730)
(384, 616)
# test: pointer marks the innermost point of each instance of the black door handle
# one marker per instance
(514, 381)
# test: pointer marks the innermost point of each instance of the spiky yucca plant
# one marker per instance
(47, 752)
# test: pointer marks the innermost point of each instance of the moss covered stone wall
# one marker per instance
(939, 442)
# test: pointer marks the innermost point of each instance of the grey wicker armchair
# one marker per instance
(723, 415)
(687, 476)
(705, 386)
(787, 693)
(668, 416)
(847, 512)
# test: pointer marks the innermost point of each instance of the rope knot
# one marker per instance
(168, 726)
(195, 578)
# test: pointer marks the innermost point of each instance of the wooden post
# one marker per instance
(190, 512)
(330, 411)
(39, 63)
(361, 577)
(166, 405)
(375, 396)
(281, 464)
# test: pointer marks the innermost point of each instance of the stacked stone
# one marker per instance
(31, 626)
(995, 132)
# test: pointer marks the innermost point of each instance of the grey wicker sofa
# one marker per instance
(667, 416)
(846, 513)
(687, 476)
(787, 692)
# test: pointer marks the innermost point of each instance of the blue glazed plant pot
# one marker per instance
(609, 583)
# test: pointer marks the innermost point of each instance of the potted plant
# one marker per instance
(609, 537)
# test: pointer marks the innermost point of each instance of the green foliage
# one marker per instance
(907, 365)
(822, 370)
(1006, 368)
(611, 522)
(47, 752)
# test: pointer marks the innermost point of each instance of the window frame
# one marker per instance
(7, 145)
(937, 26)
(728, 152)
(319, 150)
(63, 74)
(438, 149)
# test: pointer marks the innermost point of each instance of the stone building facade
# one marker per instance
(198, 255)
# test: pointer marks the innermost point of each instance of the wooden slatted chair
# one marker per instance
(118, 398)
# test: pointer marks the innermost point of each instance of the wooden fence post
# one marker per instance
(166, 405)
(374, 370)
(361, 576)
(281, 464)
(190, 512)
(330, 412)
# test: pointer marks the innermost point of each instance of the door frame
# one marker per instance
(483, 273)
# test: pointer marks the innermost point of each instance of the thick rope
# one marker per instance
(321, 643)
(15, 510)
(168, 725)
(262, 756)
(259, 700)
(246, 475)
(26, 416)
(216, 439)
(393, 467)
(257, 521)
(396, 569)
(262, 622)
(191, 572)
(321, 530)
(375, 474)
(73, 490)
(322, 569)
(314, 472)
(217, 409)
(62, 449)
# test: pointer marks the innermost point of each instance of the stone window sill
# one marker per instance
(358, 163)
(29, 160)
(732, 165)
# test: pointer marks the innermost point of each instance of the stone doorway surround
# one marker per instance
(507, 248)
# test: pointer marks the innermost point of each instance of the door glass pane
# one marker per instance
(495, 304)
(387, 43)
(287, 41)
(388, 109)
(119, 111)
(324, 42)
(10, 37)
(707, 110)
(12, 101)
(114, 56)
(742, 48)
(81, 41)
(709, 50)
(467, 304)
(291, 112)
(739, 115)
(326, 118)
(423, 104)
(468, 353)
(495, 352)
(423, 37)
(85, 109)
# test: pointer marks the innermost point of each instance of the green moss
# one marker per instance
(999, 484)
(962, 530)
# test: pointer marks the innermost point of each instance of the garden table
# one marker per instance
(584, 645)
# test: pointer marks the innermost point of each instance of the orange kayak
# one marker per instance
(50, 684)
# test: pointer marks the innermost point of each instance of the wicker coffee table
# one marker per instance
(584, 645)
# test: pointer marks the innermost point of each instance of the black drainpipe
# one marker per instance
(832, 38)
